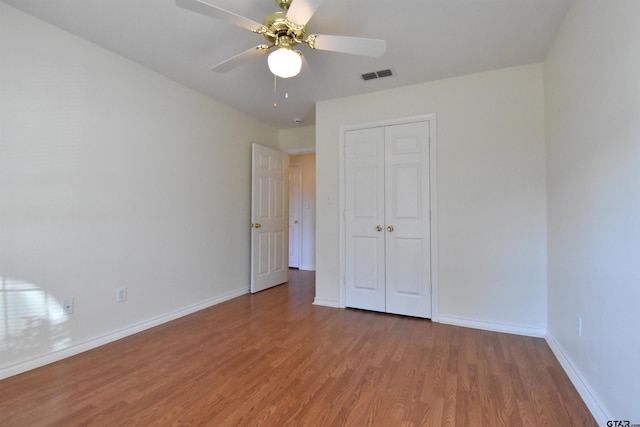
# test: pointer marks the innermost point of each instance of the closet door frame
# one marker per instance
(431, 118)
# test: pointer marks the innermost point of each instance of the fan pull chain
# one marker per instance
(275, 91)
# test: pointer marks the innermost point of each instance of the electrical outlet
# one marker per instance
(121, 294)
(67, 305)
(579, 326)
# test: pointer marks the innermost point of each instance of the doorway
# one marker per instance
(302, 211)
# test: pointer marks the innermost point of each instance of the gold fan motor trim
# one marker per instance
(281, 32)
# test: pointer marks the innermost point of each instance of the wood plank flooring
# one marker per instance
(274, 359)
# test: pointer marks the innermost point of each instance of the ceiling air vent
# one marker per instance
(377, 74)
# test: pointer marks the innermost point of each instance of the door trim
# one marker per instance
(431, 118)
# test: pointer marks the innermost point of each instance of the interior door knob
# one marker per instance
(257, 225)
(390, 228)
(379, 227)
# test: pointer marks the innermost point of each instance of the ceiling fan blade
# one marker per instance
(218, 13)
(301, 11)
(354, 45)
(240, 59)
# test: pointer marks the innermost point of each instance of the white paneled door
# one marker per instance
(364, 224)
(269, 217)
(387, 224)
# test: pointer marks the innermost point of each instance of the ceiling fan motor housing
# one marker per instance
(277, 27)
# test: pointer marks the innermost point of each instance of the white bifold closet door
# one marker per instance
(387, 220)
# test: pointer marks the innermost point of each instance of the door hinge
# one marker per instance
(344, 214)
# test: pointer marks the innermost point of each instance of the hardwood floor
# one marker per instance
(275, 359)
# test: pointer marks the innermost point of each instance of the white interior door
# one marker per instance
(269, 217)
(295, 202)
(408, 244)
(387, 219)
(364, 219)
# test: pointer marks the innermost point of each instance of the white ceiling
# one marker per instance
(426, 40)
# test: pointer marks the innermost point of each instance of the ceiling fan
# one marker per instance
(283, 30)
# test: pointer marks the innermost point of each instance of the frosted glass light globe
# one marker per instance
(284, 62)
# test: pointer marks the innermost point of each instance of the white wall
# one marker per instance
(592, 79)
(301, 139)
(491, 192)
(307, 163)
(111, 175)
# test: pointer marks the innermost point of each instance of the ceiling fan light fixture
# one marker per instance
(285, 62)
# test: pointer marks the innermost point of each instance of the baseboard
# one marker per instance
(493, 326)
(579, 382)
(308, 267)
(326, 302)
(48, 358)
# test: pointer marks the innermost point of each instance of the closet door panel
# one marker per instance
(406, 191)
(364, 219)
(407, 248)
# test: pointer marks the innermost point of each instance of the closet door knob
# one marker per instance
(379, 227)
(390, 228)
